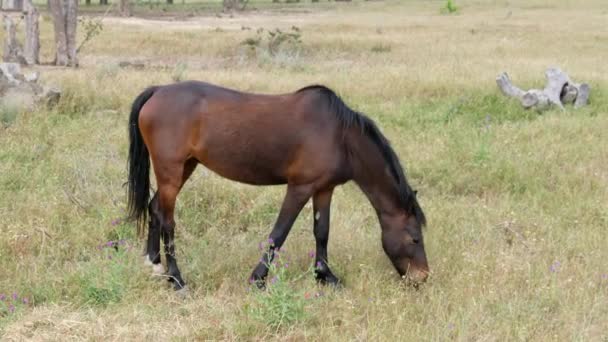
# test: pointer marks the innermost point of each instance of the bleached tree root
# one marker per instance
(559, 91)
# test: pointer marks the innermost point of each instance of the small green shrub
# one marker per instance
(281, 304)
(91, 28)
(179, 72)
(274, 46)
(104, 282)
(381, 48)
(482, 155)
(449, 7)
(8, 115)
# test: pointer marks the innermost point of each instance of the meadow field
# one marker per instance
(516, 201)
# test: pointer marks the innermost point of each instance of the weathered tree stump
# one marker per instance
(23, 92)
(559, 91)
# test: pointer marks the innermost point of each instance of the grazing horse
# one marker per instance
(309, 140)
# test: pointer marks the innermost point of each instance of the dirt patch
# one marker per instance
(212, 23)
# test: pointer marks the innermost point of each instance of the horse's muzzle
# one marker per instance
(417, 276)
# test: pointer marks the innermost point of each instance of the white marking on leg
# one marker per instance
(158, 269)
(147, 261)
(318, 215)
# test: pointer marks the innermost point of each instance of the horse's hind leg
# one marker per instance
(170, 178)
(153, 245)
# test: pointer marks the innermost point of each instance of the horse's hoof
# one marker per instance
(182, 292)
(158, 269)
(177, 281)
(330, 280)
(259, 283)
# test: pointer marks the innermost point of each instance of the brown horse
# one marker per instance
(309, 140)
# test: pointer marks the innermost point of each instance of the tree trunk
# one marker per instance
(170, 2)
(61, 40)
(13, 52)
(125, 8)
(64, 19)
(32, 34)
(71, 27)
(103, 2)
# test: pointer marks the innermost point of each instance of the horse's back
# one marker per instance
(251, 138)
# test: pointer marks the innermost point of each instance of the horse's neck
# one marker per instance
(372, 175)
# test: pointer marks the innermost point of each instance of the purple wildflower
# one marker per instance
(273, 280)
(270, 241)
(286, 265)
(110, 243)
(15, 296)
(115, 222)
(11, 308)
(319, 264)
(604, 276)
(451, 326)
(25, 301)
(311, 254)
(2, 297)
(122, 242)
(555, 267)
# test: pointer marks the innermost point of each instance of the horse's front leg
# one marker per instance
(295, 199)
(321, 203)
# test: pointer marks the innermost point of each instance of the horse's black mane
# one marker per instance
(351, 118)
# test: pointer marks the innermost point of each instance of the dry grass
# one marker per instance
(516, 205)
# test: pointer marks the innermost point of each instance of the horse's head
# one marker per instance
(402, 241)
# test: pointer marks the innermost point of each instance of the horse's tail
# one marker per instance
(139, 165)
